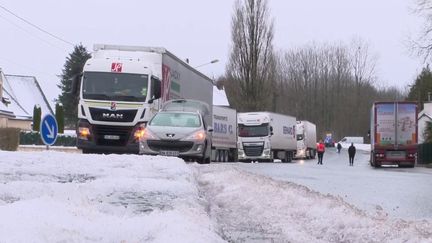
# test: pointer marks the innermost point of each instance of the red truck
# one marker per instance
(394, 134)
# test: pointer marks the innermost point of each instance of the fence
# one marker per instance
(425, 153)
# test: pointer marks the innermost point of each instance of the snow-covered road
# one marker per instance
(400, 192)
(62, 197)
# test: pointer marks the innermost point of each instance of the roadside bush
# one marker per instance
(33, 138)
(37, 112)
(9, 139)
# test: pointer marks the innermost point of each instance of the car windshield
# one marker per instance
(253, 131)
(176, 120)
(115, 86)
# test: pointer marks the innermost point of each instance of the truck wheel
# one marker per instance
(225, 153)
(313, 154)
(86, 151)
(289, 157)
(218, 155)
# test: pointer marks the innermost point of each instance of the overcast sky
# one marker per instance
(200, 30)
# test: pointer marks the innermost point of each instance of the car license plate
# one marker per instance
(112, 137)
(169, 153)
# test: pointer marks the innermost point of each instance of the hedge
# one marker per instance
(9, 138)
(33, 138)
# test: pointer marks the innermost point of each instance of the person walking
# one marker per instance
(339, 147)
(351, 154)
(320, 150)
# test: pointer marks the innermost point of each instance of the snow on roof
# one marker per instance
(219, 97)
(24, 93)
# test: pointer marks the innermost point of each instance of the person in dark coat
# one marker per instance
(339, 147)
(351, 154)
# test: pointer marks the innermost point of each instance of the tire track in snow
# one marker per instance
(253, 208)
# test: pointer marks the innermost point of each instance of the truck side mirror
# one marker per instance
(156, 88)
(210, 129)
(75, 83)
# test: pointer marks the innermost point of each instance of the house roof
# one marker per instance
(24, 92)
(425, 115)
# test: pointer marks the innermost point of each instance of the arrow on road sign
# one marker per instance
(50, 130)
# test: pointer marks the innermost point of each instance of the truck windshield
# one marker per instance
(176, 120)
(115, 86)
(253, 131)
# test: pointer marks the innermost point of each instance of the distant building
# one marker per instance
(18, 96)
(424, 116)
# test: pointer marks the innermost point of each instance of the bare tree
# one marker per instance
(422, 45)
(252, 63)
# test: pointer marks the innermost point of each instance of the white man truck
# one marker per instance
(122, 87)
(394, 134)
(306, 140)
(265, 136)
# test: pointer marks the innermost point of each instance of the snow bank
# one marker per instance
(253, 208)
(59, 197)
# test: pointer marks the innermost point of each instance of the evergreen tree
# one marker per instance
(37, 113)
(421, 87)
(73, 66)
(59, 113)
(428, 133)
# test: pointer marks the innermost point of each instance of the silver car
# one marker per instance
(177, 133)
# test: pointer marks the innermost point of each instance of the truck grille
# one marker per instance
(160, 145)
(123, 134)
(253, 150)
(109, 115)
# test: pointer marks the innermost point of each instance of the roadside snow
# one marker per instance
(59, 197)
(254, 208)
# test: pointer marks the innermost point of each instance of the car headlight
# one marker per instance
(198, 135)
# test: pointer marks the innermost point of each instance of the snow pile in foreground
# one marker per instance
(255, 208)
(56, 197)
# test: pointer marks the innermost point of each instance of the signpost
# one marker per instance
(48, 130)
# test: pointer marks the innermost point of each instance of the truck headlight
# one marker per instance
(83, 133)
(142, 133)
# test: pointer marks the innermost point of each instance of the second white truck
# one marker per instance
(306, 140)
(265, 136)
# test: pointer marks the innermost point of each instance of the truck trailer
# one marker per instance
(394, 134)
(224, 142)
(122, 87)
(306, 140)
(224, 139)
(265, 136)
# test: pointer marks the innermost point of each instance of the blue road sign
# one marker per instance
(48, 129)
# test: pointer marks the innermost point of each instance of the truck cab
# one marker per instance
(117, 97)
(254, 134)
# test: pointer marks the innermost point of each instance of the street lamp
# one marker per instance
(211, 62)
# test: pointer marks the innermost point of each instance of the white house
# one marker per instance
(18, 95)
(424, 116)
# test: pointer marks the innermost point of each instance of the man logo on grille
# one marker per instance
(113, 106)
(170, 135)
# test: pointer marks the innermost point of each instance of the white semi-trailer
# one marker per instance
(306, 140)
(265, 136)
(122, 87)
(224, 139)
